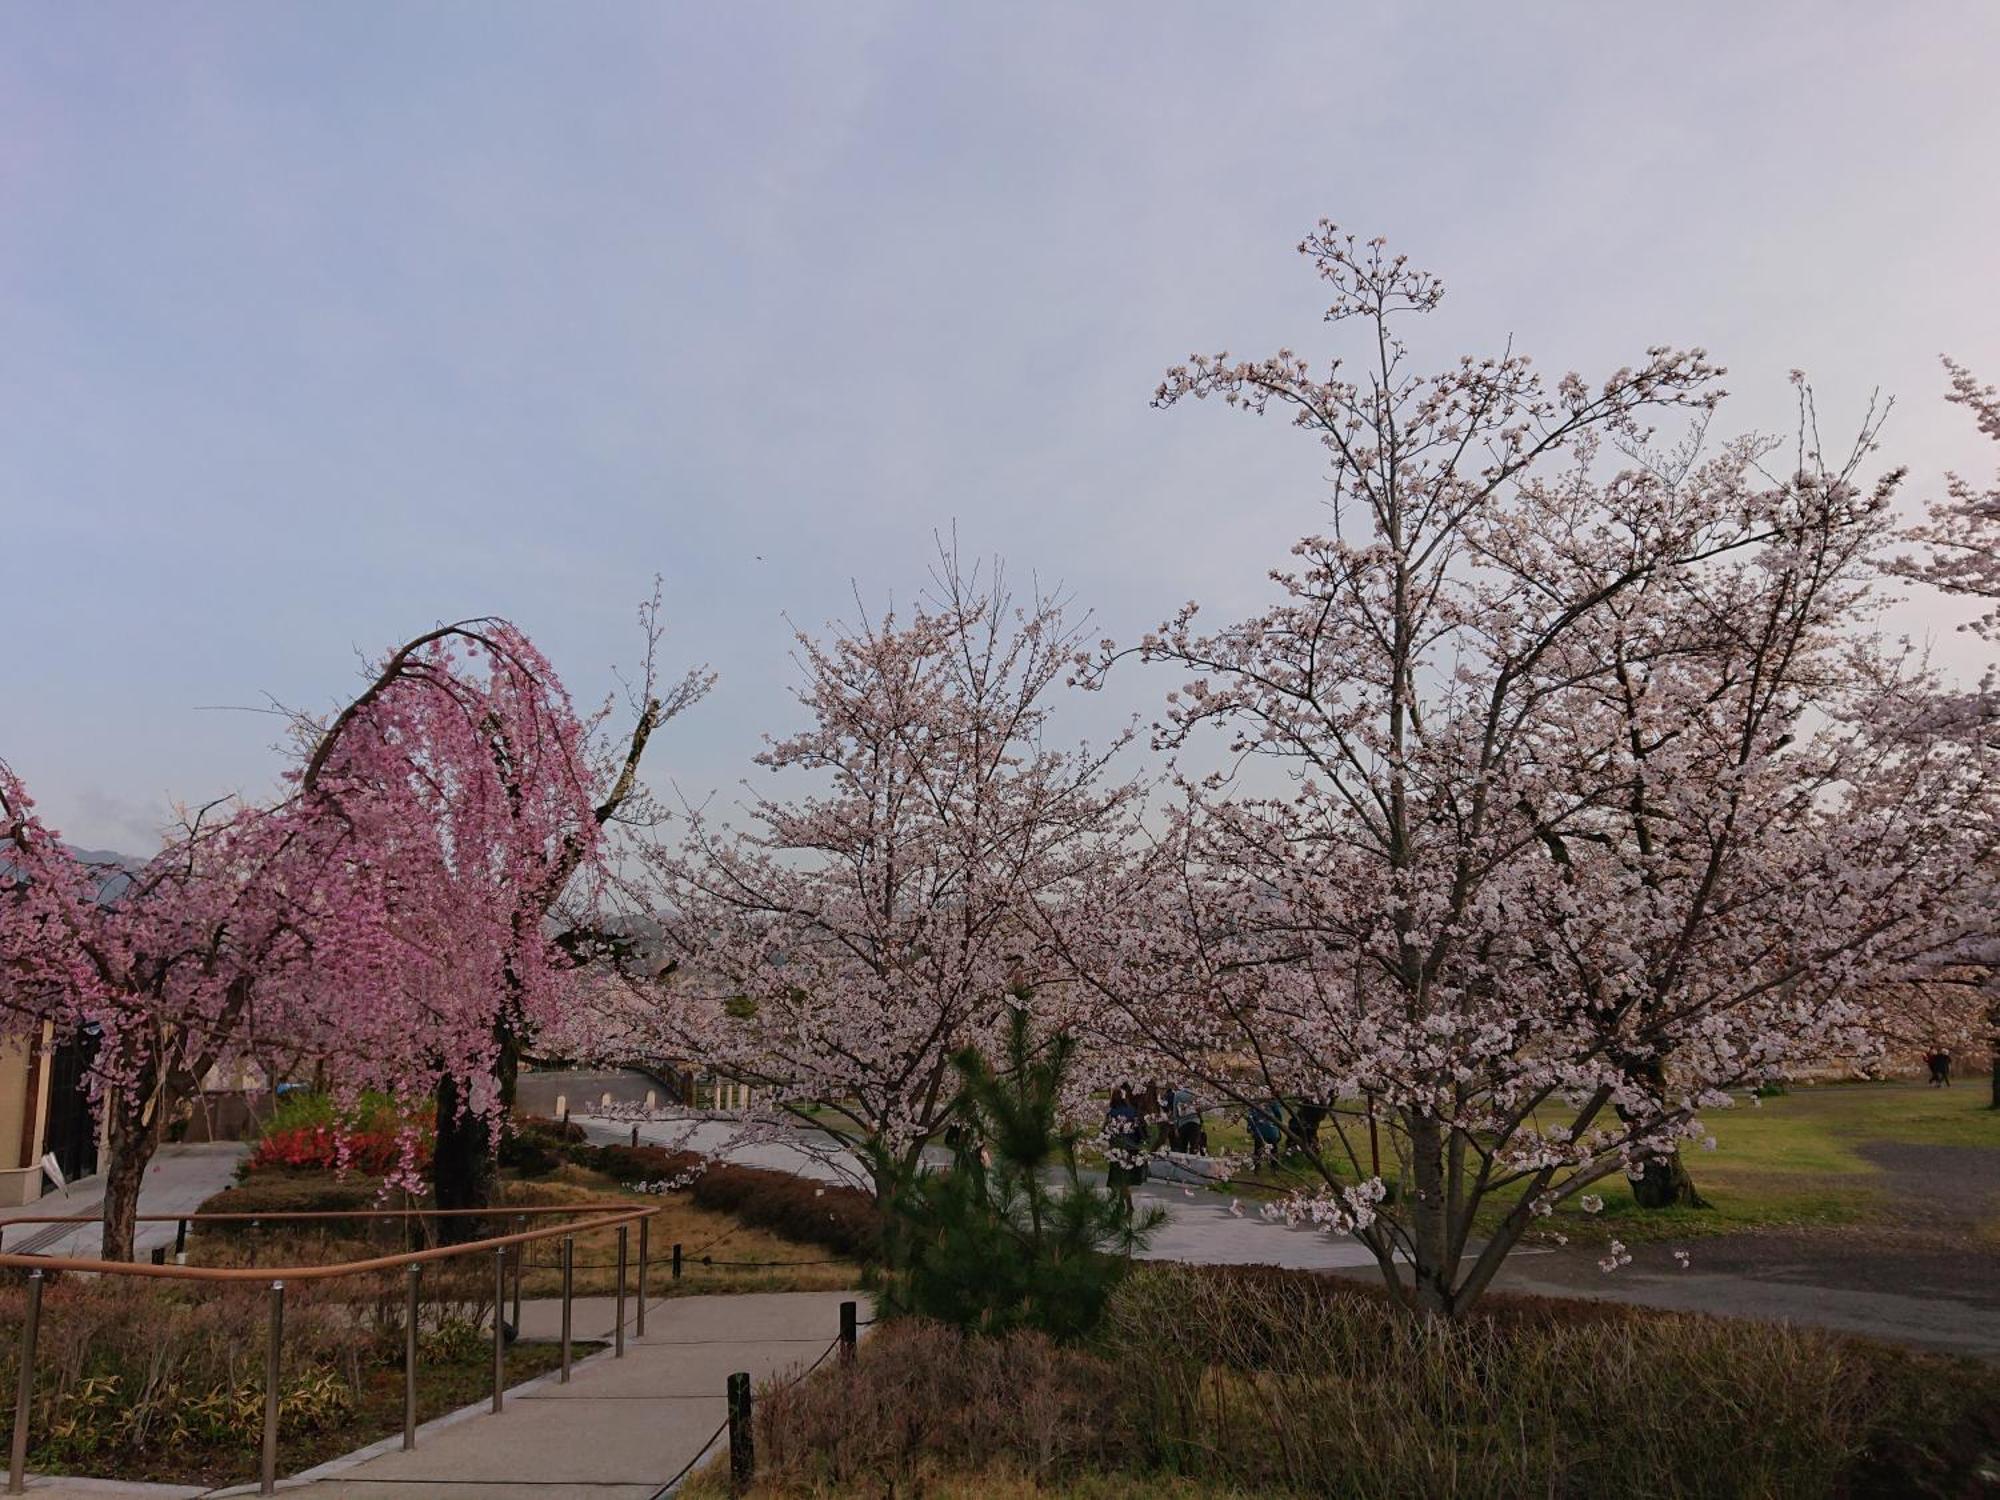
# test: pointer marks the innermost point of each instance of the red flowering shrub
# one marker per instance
(319, 1148)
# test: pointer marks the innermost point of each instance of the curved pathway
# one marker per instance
(622, 1427)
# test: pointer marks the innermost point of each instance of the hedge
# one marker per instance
(841, 1219)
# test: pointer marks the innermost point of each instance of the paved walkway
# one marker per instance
(178, 1180)
(798, 1152)
(621, 1428)
(1203, 1227)
(1902, 1295)
(1210, 1229)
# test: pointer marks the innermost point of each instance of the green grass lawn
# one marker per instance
(1790, 1161)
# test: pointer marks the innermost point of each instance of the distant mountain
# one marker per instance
(107, 857)
(114, 870)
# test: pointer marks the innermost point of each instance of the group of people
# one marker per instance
(1156, 1119)
(1277, 1129)
(1939, 1062)
(1140, 1121)
(1143, 1120)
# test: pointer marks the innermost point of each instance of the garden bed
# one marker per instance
(149, 1381)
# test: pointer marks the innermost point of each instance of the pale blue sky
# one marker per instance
(321, 323)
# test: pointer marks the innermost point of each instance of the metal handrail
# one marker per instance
(615, 1215)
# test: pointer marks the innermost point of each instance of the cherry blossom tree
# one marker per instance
(1961, 540)
(1944, 1010)
(846, 941)
(1549, 869)
(481, 801)
(410, 911)
(166, 966)
(1960, 555)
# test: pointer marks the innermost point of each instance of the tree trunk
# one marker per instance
(462, 1171)
(133, 1137)
(465, 1172)
(1664, 1183)
(1993, 1025)
(507, 1067)
(1432, 1271)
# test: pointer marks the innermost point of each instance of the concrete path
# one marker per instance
(1201, 1228)
(1210, 1229)
(1902, 1295)
(721, 1138)
(179, 1180)
(620, 1428)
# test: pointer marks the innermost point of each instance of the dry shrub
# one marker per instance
(841, 1219)
(1290, 1383)
(920, 1397)
(1316, 1392)
(304, 1192)
(137, 1369)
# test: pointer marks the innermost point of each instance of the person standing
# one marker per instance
(1266, 1130)
(1153, 1113)
(1183, 1119)
(1124, 1144)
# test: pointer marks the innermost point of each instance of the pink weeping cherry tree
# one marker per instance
(1556, 850)
(410, 912)
(840, 943)
(478, 801)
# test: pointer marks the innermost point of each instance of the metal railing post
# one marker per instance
(520, 1256)
(742, 1445)
(499, 1324)
(618, 1334)
(847, 1330)
(268, 1484)
(180, 1241)
(24, 1388)
(645, 1238)
(568, 1266)
(414, 1276)
(677, 1260)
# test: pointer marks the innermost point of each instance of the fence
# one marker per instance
(506, 1249)
(740, 1424)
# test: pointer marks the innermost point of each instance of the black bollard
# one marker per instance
(742, 1445)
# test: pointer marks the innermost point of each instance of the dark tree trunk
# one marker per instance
(1993, 1027)
(507, 1068)
(1664, 1183)
(465, 1172)
(462, 1171)
(132, 1138)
